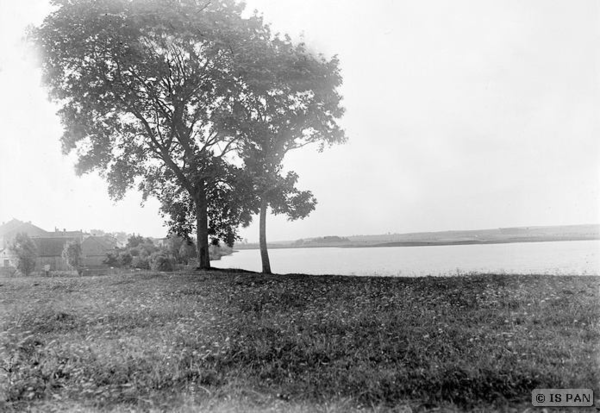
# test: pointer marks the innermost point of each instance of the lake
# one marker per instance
(554, 258)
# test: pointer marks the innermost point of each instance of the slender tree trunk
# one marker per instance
(264, 254)
(202, 228)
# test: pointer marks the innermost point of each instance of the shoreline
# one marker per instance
(418, 243)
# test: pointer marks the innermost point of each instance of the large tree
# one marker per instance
(145, 90)
(293, 104)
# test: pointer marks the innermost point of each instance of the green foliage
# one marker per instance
(151, 342)
(161, 262)
(174, 244)
(112, 260)
(147, 248)
(135, 240)
(141, 262)
(327, 240)
(147, 89)
(180, 249)
(136, 254)
(124, 259)
(73, 256)
(186, 252)
(155, 94)
(24, 251)
(285, 198)
(141, 253)
(231, 203)
(294, 104)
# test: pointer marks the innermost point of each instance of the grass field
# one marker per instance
(238, 342)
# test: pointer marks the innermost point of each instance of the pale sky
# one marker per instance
(460, 115)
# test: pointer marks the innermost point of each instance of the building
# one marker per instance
(50, 246)
(7, 265)
(67, 234)
(50, 253)
(9, 229)
(94, 250)
(160, 242)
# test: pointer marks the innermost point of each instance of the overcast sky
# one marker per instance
(460, 115)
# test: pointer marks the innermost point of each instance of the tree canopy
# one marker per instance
(146, 89)
(159, 95)
(294, 104)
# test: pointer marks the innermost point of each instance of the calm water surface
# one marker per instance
(556, 258)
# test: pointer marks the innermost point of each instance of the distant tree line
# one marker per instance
(330, 239)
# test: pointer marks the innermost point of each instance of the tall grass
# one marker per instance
(242, 342)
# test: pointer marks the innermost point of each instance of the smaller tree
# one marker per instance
(135, 240)
(290, 101)
(73, 255)
(25, 253)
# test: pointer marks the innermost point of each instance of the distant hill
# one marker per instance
(321, 242)
(483, 236)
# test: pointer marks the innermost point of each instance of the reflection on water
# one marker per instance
(556, 258)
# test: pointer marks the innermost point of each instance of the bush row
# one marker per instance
(143, 254)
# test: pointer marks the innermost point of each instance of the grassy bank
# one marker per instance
(244, 342)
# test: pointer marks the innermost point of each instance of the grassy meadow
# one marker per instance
(228, 341)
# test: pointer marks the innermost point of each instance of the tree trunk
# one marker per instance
(202, 228)
(264, 254)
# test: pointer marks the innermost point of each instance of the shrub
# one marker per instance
(180, 249)
(112, 260)
(125, 259)
(186, 252)
(147, 248)
(135, 257)
(141, 262)
(161, 262)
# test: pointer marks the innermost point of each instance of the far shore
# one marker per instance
(418, 243)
